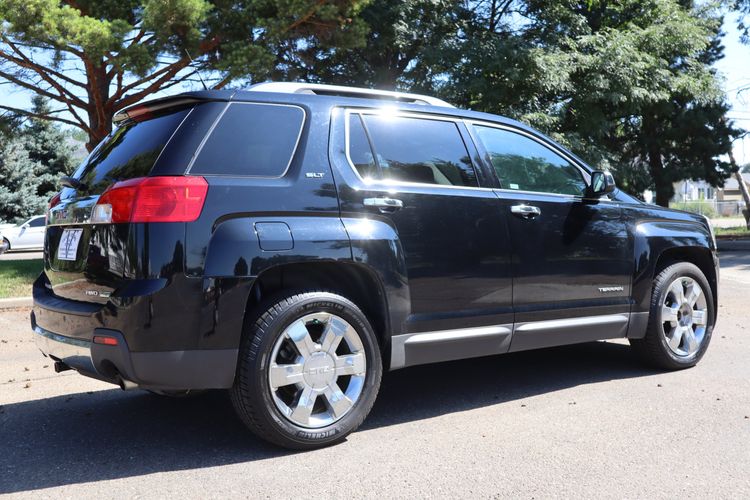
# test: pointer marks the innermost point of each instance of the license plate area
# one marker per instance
(67, 249)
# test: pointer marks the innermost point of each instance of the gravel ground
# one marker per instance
(582, 420)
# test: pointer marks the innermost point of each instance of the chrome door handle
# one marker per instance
(526, 211)
(384, 204)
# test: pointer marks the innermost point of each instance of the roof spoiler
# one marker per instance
(146, 110)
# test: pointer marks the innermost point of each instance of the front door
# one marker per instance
(572, 261)
(417, 172)
(31, 234)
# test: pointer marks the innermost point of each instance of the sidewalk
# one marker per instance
(15, 303)
(727, 222)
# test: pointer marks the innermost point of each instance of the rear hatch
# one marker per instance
(87, 255)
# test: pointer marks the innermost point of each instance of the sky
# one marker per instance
(734, 68)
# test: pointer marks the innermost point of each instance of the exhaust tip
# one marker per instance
(127, 385)
(61, 367)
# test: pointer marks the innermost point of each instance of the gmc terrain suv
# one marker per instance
(290, 242)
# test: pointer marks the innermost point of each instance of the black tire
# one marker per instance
(5, 246)
(251, 394)
(653, 348)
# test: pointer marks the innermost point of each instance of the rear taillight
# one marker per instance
(54, 201)
(152, 199)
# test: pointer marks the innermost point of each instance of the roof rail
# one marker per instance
(339, 90)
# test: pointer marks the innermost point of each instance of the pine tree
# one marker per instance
(49, 147)
(19, 185)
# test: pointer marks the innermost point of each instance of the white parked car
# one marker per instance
(28, 235)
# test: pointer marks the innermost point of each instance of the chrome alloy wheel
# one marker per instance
(317, 370)
(684, 316)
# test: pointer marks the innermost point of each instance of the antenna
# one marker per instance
(197, 71)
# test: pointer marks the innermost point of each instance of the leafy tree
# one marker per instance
(625, 84)
(407, 46)
(94, 57)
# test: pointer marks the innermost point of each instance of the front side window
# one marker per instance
(524, 164)
(406, 149)
(37, 222)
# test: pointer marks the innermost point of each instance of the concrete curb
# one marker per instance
(731, 245)
(16, 303)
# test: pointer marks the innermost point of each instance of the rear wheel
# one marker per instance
(681, 319)
(308, 372)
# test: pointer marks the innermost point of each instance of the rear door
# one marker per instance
(572, 257)
(84, 261)
(419, 174)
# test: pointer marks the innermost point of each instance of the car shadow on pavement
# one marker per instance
(109, 434)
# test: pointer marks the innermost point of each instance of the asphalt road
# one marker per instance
(583, 420)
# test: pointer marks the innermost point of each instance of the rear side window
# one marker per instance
(129, 151)
(409, 149)
(251, 140)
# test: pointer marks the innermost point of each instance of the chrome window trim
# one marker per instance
(218, 120)
(390, 184)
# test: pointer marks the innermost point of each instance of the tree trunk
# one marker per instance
(662, 185)
(743, 188)
(99, 114)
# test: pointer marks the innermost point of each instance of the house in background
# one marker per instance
(700, 196)
(690, 190)
(731, 191)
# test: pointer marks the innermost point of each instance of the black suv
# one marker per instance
(290, 242)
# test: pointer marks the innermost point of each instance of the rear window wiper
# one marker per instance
(72, 182)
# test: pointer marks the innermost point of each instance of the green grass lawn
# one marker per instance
(732, 232)
(16, 277)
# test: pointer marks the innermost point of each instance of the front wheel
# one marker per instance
(681, 319)
(308, 372)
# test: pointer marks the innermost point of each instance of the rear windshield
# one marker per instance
(256, 140)
(129, 151)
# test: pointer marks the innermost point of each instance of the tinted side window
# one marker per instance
(420, 150)
(251, 139)
(38, 222)
(523, 163)
(359, 149)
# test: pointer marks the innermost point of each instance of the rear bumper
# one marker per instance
(166, 370)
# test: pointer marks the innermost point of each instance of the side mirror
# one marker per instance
(602, 183)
